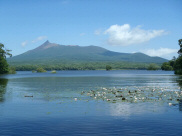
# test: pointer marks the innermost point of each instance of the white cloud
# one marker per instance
(39, 39)
(161, 52)
(124, 35)
(23, 44)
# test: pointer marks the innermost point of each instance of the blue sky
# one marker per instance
(149, 26)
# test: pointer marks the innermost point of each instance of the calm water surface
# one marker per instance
(52, 109)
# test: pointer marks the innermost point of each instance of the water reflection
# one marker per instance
(3, 84)
(54, 88)
(180, 105)
(179, 81)
(125, 109)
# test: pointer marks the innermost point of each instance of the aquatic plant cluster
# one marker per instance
(137, 94)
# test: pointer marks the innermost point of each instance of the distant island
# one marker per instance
(73, 57)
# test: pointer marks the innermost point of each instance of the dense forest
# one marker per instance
(176, 63)
(85, 66)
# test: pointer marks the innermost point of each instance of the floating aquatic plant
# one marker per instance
(136, 94)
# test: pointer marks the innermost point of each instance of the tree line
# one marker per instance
(82, 66)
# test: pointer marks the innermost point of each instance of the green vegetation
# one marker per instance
(178, 66)
(108, 67)
(178, 62)
(12, 70)
(55, 54)
(3, 65)
(82, 66)
(180, 45)
(134, 94)
(53, 71)
(40, 70)
(153, 66)
(4, 69)
(50, 56)
(168, 66)
(175, 64)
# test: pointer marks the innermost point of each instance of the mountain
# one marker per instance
(55, 52)
(51, 53)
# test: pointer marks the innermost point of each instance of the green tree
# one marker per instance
(178, 66)
(40, 70)
(108, 67)
(152, 66)
(166, 66)
(3, 63)
(180, 45)
(178, 62)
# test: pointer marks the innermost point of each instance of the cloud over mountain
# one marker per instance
(161, 52)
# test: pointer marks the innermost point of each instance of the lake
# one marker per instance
(63, 103)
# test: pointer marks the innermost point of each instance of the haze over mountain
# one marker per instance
(55, 53)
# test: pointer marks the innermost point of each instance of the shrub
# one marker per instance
(108, 67)
(152, 66)
(53, 71)
(166, 66)
(40, 70)
(11, 70)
